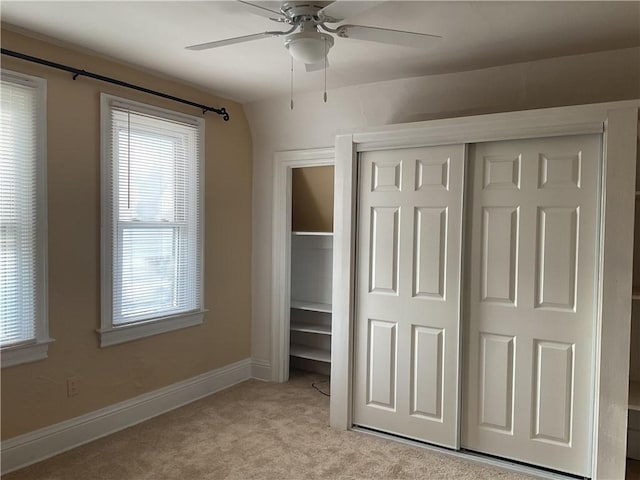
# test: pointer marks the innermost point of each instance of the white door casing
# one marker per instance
(283, 165)
(408, 292)
(531, 316)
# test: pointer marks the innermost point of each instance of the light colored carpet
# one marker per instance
(254, 430)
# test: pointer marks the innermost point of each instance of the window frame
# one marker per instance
(38, 347)
(109, 333)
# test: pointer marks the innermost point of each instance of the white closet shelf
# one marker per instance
(310, 353)
(310, 328)
(634, 396)
(311, 306)
(324, 234)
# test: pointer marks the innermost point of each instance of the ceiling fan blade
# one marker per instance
(262, 11)
(314, 67)
(385, 35)
(232, 41)
(339, 10)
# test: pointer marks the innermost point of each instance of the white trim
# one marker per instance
(153, 110)
(617, 122)
(38, 349)
(494, 130)
(284, 162)
(312, 234)
(25, 353)
(43, 339)
(109, 333)
(613, 327)
(133, 331)
(558, 121)
(342, 300)
(261, 370)
(39, 445)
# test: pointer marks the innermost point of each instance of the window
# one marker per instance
(152, 261)
(24, 335)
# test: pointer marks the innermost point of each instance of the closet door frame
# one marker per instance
(283, 165)
(618, 124)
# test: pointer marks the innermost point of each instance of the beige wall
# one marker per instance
(34, 394)
(312, 199)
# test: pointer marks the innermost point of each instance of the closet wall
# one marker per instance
(312, 199)
(572, 80)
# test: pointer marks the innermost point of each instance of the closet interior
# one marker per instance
(311, 269)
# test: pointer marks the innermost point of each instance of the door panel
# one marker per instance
(553, 379)
(556, 263)
(499, 254)
(384, 250)
(427, 372)
(381, 371)
(496, 384)
(408, 292)
(530, 318)
(429, 251)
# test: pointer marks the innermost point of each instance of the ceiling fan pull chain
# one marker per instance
(291, 83)
(326, 52)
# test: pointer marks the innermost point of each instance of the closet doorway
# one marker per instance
(530, 316)
(302, 245)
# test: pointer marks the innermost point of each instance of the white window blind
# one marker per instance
(155, 238)
(22, 219)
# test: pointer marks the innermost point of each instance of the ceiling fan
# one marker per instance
(309, 38)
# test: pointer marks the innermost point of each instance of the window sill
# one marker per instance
(134, 331)
(25, 353)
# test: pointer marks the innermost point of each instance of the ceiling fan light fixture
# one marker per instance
(308, 47)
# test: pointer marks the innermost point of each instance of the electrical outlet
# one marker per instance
(72, 386)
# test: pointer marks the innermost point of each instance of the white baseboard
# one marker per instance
(32, 447)
(261, 370)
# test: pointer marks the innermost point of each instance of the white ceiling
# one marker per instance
(475, 35)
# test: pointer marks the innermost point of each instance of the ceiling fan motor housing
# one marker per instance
(295, 10)
(309, 46)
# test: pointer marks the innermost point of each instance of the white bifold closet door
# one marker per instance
(529, 327)
(408, 292)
